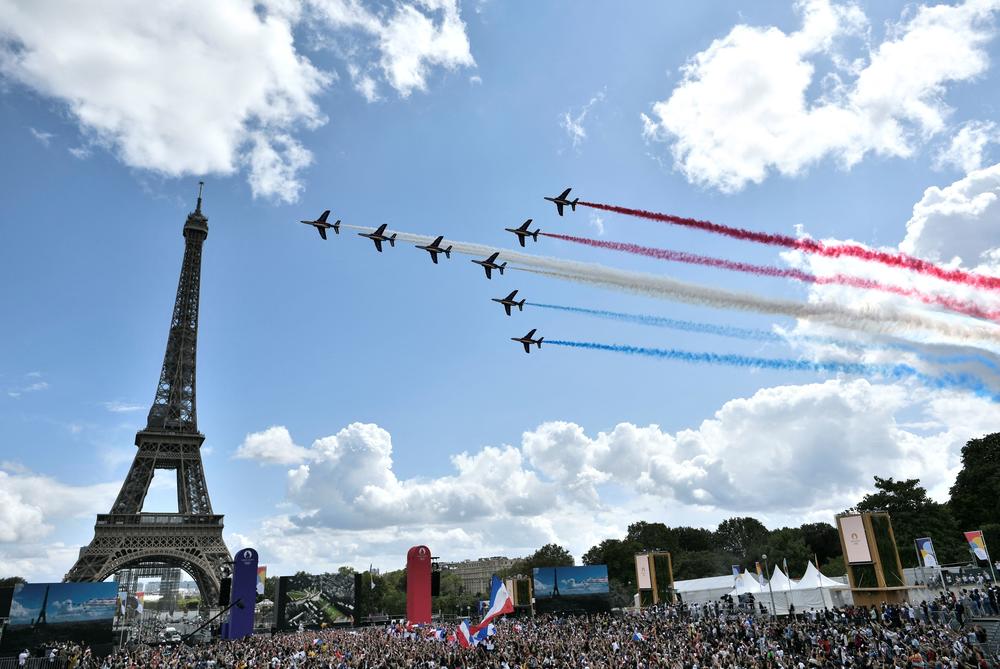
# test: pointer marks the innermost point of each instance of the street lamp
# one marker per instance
(769, 588)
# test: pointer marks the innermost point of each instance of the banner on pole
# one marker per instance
(977, 544)
(926, 549)
(261, 578)
(736, 570)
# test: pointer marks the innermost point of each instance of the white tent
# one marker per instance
(746, 584)
(814, 578)
(816, 591)
(701, 590)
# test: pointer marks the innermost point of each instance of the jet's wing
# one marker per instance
(530, 334)
(565, 194)
(526, 349)
(322, 232)
(324, 216)
(378, 244)
(559, 207)
(437, 242)
(381, 229)
(489, 273)
(506, 308)
(493, 257)
(434, 257)
(520, 238)
(525, 226)
(511, 296)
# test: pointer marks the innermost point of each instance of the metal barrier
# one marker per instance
(33, 663)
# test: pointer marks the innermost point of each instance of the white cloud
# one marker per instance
(184, 88)
(177, 88)
(960, 222)
(967, 146)
(597, 221)
(272, 446)
(409, 40)
(364, 83)
(475, 79)
(43, 137)
(743, 110)
(30, 503)
(788, 454)
(573, 123)
(123, 407)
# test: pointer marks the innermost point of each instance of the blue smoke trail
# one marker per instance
(754, 334)
(894, 372)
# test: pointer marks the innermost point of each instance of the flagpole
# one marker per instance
(988, 560)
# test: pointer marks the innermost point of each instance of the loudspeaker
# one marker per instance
(435, 583)
(225, 585)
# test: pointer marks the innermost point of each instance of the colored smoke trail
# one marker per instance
(894, 372)
(955, 304)
(884, 320)
(755, 334)
(834, 250)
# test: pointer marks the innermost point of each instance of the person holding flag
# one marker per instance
(500, 603)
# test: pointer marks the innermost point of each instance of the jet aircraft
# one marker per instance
(379, 236)
(562, 200)
(434, 248)
(509, 302)
(490, 264)
(527, 341)
(322, 226)
(523, 232)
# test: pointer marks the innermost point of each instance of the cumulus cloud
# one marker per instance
(186, 87)
(751, 103)
(967, 147)
(786, 453)
(272, 446)
(30, 504)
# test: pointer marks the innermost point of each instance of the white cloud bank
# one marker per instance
(189, 87)
(789, 453)
(745, 106)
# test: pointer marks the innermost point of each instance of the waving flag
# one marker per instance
(926, 550)
(481, 634)
(463, 635)
(977, 544)
(500, 602)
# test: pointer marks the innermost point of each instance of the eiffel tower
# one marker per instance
(190, 539)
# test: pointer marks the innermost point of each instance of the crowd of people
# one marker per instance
(666, 636)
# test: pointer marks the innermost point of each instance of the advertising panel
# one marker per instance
(48, 613)
(852, 528)
(642, 572)
(559, 589)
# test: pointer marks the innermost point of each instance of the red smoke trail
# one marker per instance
(960, 306)
(901, 260)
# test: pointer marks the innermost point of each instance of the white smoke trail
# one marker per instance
(883, 320)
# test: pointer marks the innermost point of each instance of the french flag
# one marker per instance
(465, 639)
(481, 634)
(500, 603)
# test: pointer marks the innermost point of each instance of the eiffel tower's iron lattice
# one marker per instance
(190, 539)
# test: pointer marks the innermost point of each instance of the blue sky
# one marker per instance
(376, 399)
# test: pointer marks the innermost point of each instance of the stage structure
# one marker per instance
(873, 567)
(191, 538)
(646, 577)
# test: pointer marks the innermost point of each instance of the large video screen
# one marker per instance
(314, 600)
(566, 589)
(46, 613)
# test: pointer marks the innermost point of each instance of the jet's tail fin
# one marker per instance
(502, 267)
(539, 342)
(392, 240)
(336, 227)
(534, 235)
(520, 305)
(573, 204)
(447, 252)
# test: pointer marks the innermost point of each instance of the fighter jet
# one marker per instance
(322, 226)
(490, 264)
(527, 341)
(561, 201)
(379, 236)
(509, 302)
(523, 232)
(434, 248)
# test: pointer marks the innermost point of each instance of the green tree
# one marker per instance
(834, 567)
(974, 497)
(822, 539)
(787, 545)
(549, 555)
(914, 515)
(619, 556)
(10, 581)
(693, 539)
(651, 536)
(743, 537)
